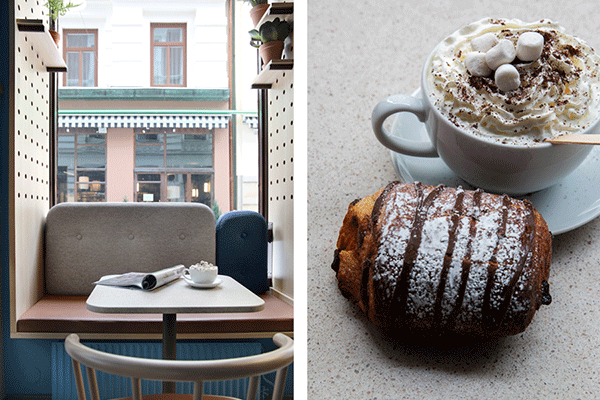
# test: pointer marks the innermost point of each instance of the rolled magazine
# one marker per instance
(143, 280)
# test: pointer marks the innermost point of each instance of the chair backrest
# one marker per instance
(85, 241)
(241, 240)
(181, 370)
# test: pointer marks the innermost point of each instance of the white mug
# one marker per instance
(201, 275)
(485, 163)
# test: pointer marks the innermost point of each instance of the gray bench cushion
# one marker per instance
(85, 241)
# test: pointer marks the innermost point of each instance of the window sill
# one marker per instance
(56, 316)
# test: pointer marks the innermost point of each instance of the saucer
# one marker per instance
(565, 206)
(214, 284)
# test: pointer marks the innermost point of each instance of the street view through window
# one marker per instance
(156, 105)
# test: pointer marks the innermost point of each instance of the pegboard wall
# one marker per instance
(30, 161)
(281, 179)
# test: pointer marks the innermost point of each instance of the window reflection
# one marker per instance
(174, 165)
(81, 165)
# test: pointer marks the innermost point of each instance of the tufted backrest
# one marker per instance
(85, 241)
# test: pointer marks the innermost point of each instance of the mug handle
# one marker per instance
(401, 103)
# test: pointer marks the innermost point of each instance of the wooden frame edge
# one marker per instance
(139, 336)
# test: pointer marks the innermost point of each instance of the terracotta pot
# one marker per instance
(55, 36)
(271, 51)
(257, 12)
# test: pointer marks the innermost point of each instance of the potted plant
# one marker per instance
(58, 8)
(269, 39)
(259, 7)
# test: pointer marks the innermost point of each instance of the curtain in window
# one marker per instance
(176, 62)
(73, 68)
(80, 40)
(160, 65)
(87, 69)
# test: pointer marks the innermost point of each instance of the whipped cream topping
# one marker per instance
(559, 92)
(204, 266)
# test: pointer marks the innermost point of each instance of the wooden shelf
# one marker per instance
(271, 72)
(38, 34)
(282, 10)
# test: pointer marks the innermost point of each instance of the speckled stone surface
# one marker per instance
(359, 53)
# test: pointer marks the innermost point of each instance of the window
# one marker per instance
(81, 172)
(203, 108)
(81, 56)
(168, 54)
(174, 165)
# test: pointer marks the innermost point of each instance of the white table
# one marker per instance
(171, 299)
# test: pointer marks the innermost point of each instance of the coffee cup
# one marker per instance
(201, 273)
(495, 163)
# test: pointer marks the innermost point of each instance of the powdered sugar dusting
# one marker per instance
(492, 248)
(427, 271)
(396, 232)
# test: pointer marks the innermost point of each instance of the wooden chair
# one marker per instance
(181, 370)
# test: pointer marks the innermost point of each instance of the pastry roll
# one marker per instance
(431, 260)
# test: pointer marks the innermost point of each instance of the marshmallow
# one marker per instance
(529, 46)
(476, 65)
(502, 53)
(507, 78)
(484, 42)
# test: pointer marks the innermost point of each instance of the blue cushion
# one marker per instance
(241, 241)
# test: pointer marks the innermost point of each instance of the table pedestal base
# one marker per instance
(169, 347)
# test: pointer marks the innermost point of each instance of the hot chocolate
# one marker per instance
(557, 92)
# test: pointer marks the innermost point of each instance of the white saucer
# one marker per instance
(565, 206)
(214, 284)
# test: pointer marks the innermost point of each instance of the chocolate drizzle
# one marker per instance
(399, 298)
(364, 284)
(379, 202)
(487, 317)
(509, 289)
(466, 264)
(367, 265)
(452, 234)
(546, 297)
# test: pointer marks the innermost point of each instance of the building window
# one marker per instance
(174, 165)
(168, 50)
(81, 56)
(81, 165)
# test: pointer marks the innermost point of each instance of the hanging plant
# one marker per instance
(269, 39)
(259, 7)
(58, 8)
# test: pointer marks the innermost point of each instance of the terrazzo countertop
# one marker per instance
(358, 54)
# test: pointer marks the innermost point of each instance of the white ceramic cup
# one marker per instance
(485, 163)
(201, 275)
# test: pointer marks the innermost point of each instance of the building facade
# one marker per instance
(149, 109)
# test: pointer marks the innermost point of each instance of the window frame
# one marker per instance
(165, 170)
(77, 169)
(80, 50)
(168, 45)
(163, 174)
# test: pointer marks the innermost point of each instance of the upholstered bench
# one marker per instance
(84, 241)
